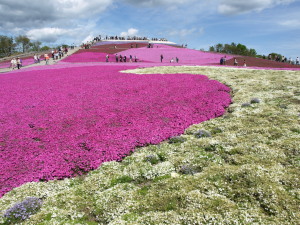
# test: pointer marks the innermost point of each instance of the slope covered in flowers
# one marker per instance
(64, 122)
(246, 172)
(87, 57)
(25, 62)
(185, 56)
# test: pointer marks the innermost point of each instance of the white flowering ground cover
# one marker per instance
(245, 171)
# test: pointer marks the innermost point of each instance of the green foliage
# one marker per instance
(45, 48)
(179, 139)
(24, 42)
(7, 46)
(120, 180)
(35, 46)
(233, 48)
(152, 159)
(295, 130)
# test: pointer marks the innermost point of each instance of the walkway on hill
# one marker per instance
(43, 63)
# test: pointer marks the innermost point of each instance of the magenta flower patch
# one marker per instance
(25, 62)
(88, 57)
(63, 122)
(185, 56)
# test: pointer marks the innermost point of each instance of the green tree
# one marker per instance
(35, 46)
(252, 52)
(45, 48)
(219, 47)
(23, 41)
(241, 49)
(233, 48)
(274, 55)
(211, 49)
(7, 46)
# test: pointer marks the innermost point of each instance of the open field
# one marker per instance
(239, 168)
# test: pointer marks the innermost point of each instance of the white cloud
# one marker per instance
(34, 13)
(233, 7)
(153, 3)
(80, 8)
(290, 23)
(129, 32)
(54, 34)
(88, 38)
(46, 34)
(186, 32)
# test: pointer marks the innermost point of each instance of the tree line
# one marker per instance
(233, 48)
(20, 44)
(240, 49)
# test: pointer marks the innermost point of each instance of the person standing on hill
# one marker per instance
(161, 58)
(107, 57)
(35, 58)
(297, 61)
(19, 63)
(46, 58)
(235, 63)
(13, 63)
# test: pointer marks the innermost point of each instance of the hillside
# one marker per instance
(150, 142)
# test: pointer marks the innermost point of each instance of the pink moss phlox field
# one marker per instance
(185, 56)
(25, 62)
(63, 122)
(88, 57)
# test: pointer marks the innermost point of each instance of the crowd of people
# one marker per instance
(120, 58)
(16, 63)
(59, 53)
(223, 61)
(279, 58)
(130, 38)
(276, 58)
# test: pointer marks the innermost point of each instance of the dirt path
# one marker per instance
(42, 63)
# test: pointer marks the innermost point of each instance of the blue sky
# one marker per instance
(265, 25)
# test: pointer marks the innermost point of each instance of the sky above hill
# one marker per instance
(265, 25)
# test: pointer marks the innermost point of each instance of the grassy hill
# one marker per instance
(240, 168)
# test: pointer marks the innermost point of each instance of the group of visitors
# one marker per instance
(159, 39)
(279, 58)
(171, 60)
(120, 58)
(133, 38)
(16, 63)
(36, 58)
(223, 60)
(59, 53)
(235, 61)
(176, 59)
